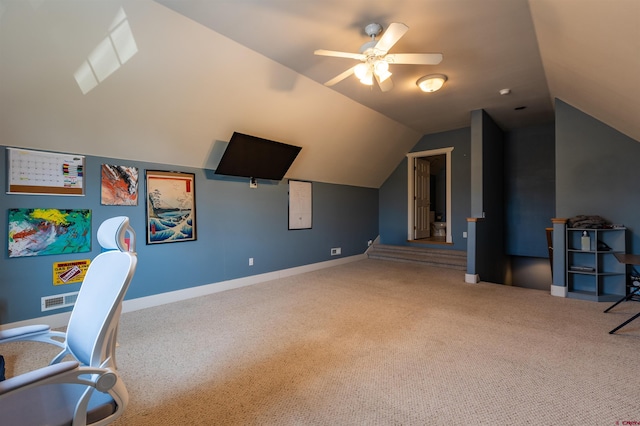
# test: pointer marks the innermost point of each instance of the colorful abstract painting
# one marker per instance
(171, 209)
(40, 232)
(119, 185)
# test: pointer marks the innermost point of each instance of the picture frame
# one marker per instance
(44, 173)
(46, 231)
(118, 185)
(170, 206)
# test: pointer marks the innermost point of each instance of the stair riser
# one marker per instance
(422, 258)
(451, 259)
(435, 264)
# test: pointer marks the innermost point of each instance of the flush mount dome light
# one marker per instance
(431, 83)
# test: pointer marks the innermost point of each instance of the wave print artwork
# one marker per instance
(41, 232)
(170, 207)
(174, 226)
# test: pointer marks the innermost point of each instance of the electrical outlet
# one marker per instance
(464, 234)
(336, 251)
(251, 261)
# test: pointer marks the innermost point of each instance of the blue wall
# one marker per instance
(596, 171)
(530, 189)
(393, 193)
(234, 223)
(516, 218)
(487, 142)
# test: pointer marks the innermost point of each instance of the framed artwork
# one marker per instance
(40, 232)
(300, 204)
(44, 173)
(171, 207)
(119, 185)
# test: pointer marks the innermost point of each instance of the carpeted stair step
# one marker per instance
(452, 259)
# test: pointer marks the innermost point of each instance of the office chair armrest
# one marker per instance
(19, 333)
(44, 374)
(70, 372)
(34, 333)
(63, 393)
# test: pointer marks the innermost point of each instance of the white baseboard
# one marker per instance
(558, 290)
(471, 278)
(62, 319)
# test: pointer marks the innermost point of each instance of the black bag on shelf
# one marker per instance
(589, 222)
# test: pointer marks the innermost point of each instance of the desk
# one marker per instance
(634, 294)
(628, 259)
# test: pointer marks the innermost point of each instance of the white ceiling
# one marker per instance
(586, 52)
(215, 67)
(487, 45)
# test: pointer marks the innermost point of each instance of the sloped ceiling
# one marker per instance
(203, 69)
(487, 46)
(591, 56)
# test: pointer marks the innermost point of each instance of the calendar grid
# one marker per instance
(40, 172)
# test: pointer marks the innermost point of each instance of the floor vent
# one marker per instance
(58, 301)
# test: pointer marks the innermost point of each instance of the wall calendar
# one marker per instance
(45, 173)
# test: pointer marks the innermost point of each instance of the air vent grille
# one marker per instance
(58, 301)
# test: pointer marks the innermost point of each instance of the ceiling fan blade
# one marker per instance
(337, 54)
(340, 77)
(386, 84)
(414, 58)
(390, 37)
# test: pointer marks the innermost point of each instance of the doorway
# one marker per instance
(429, 195)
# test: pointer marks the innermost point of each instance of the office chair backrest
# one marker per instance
(93, 326)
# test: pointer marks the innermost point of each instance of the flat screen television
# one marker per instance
(258, 158)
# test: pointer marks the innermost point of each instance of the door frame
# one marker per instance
(411, 188)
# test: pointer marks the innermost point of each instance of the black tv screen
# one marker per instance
(254, 157)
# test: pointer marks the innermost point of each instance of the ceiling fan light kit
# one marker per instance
(375, 58)
(365, 71)
(432, 82)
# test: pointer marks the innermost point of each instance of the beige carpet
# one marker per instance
(376, 343)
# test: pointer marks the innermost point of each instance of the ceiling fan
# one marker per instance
(376, 59)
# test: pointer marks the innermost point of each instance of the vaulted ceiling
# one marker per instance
(194, 71)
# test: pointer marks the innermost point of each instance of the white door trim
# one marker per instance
(411, 188)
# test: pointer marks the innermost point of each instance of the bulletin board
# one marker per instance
(44, 173)
(300, 204)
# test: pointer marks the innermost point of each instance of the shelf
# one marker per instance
(592, 296)
(604, 274)
(606, 281)
(594, 251)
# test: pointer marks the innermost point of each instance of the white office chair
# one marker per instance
(63, 392)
